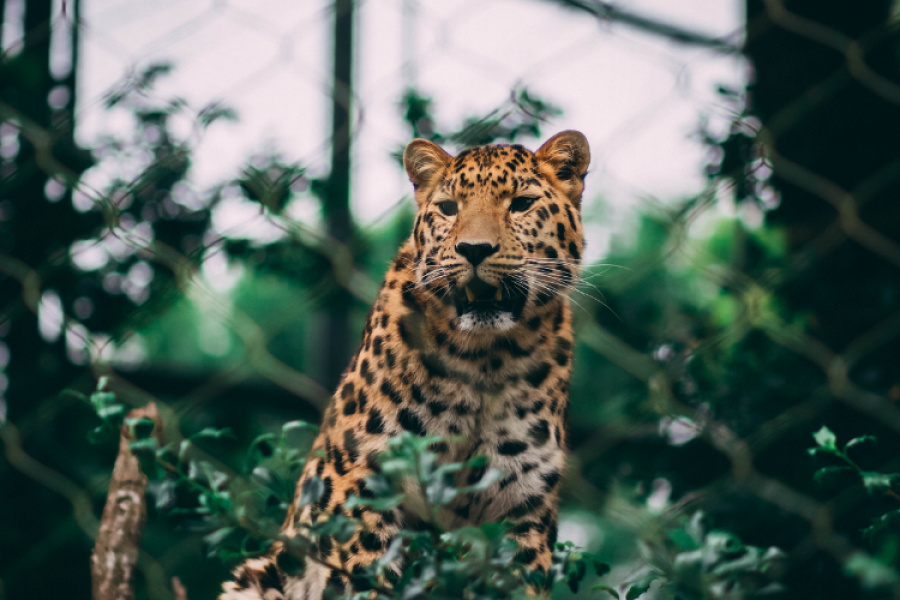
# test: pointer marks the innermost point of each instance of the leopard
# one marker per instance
(470, 339)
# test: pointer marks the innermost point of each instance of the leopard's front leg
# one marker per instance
(332, 563)
(527, 499)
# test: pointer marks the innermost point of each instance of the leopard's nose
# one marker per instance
(476, 253)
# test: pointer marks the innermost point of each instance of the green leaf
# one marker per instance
(393, 551)
(605, 588)
(145, 446)
(380, 504)
(379, 485)
(312, 490)
(885, 521)
(824, 472)
(111, 412)
(183, 447)
(339, 526)
(99, 399)
(725, 542)
(682, 539)
(228, 552)
(292, 425)
(262, 546)
(440, 491)
(600, 568)
(747, 562)
(486, 480)
(262, 476)
(290, 564)
(575, 571)
(495, 531)
(479, 461)
(260, 448)
(774, 558)
(165, 451)
(537, 578)
(297, 545)
(215, 111)
(879, 482)
(140, 428)
(825, 438)
(871, 573)
(696, 529)
(299, 434)
(397, 467)
(145, 451)
(860, 440)
(215, 478)
(188, 511)
(74, 394)
(212, 432)
(264, 444)
(163, 493)
(635, 591)
(217, 537)
(99, 434)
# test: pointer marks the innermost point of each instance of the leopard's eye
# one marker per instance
(521, 204)
(448, 207)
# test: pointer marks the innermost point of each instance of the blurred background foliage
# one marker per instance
(730, 368)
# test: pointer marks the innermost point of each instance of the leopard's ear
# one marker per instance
(567, 156)
(424, 160)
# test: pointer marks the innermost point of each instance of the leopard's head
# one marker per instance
(498, 234)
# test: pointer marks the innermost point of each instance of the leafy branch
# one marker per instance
(874, 481)
(242, 516)
(694, 562)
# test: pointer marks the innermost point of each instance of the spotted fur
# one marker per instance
(488, 371)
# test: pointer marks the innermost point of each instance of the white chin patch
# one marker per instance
(486, 321)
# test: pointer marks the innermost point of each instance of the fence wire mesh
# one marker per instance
(713, 338)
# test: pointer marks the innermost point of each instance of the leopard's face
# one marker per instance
(498, 235)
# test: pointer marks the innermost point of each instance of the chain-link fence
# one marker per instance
(717, 329)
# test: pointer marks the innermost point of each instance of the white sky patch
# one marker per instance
(214, 337)
(13, 31)
(638, 98)
(659, 497)
(580, 528)
(130, 353)
(77, 343)
(50, 316)
(237, 217)
(219, 273)
(89, 255)
(678, 430)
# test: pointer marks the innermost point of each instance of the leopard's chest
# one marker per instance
(517, 427)
(468, 416)
(514, 428)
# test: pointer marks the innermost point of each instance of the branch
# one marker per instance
(117, 545)
(605, 11)
(178, 589)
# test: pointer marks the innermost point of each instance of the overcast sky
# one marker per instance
(637, 98)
